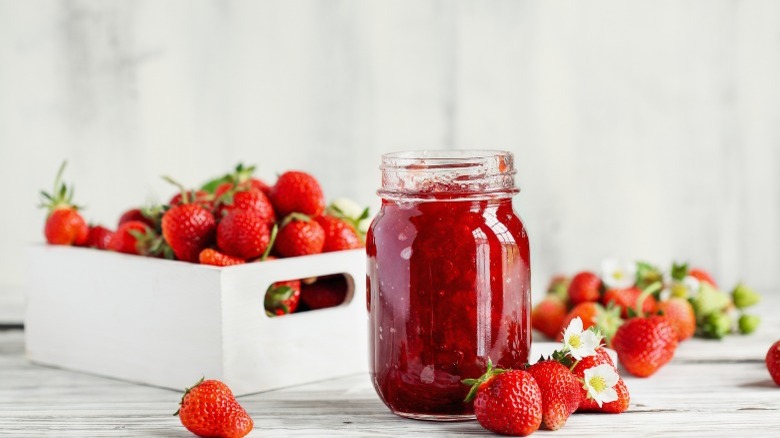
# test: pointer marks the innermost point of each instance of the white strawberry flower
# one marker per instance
(692, 284)
(580, 343)
(600, 383)
(618, 275)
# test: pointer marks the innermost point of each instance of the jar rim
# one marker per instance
(458, 173)
(435, 158)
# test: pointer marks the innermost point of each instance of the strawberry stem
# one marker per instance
(649, 290)
(476, 383)
(182, 189)
(274, 232)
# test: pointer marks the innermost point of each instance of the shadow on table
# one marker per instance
(767, 383)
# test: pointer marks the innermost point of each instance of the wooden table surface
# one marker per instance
(712, 388)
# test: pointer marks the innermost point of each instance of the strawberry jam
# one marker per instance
(448, 279)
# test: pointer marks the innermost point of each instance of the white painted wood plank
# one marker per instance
(704, 390)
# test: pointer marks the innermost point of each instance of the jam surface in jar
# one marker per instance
(448, 286)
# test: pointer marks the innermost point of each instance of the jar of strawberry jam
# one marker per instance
(448, 280)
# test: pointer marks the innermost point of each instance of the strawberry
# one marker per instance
(188, 229)
(585, 286)
(98, 237)
(213, 257)
(339, 235)
(135, 214)
(627, 298)
(507, 402)
(243, 234)
(681, 316)
(702, 275)
(328, 291)
(128, 238)
(282, 297)
(592, 314)
(645, 344)
(547, 316)
(560, 391)
(250, 200)
(299, 235)
(614, 407)
(209, 409)
(64, 224)
(588, 404)
(240, 179)
(773, 362)
(299, 192)
(200, 197)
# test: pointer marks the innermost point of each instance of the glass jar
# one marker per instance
(448, 280)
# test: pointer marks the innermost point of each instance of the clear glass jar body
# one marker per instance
(448, 279)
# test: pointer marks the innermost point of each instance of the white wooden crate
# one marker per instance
(168, 323)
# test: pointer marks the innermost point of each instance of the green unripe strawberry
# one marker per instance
(748, 323)
(744, 296)
(716, 325)
(709, 300)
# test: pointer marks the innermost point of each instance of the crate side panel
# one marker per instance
(144, 320)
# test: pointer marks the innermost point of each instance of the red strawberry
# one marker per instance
(681, 315)
(548, 315)
(135, 214)
(209, 409)
(243, 234)
(614, 407)
(560, 392)
(188, 229)
(702, 275)
(773, 362)
(585, 286)
(299, 192)
(98, 237)
(645, 344)
(592, 314)
(213, 257)
(282, 297)
(200, 197)
(508, 402)
(64, 224)
(339, 235)
(251, 200)
(299, 236)
(588, 404)
(259, 184)
(627, 299)
(128, 238)
(328, 291)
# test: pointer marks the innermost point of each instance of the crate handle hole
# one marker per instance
(316, 293)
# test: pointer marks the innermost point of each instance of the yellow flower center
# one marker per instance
(617, 275)
(597, 383)
(574, 341)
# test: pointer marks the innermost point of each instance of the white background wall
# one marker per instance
(643, 129)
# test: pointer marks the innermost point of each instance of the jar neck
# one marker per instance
(448, 175)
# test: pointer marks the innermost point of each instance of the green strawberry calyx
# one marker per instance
(61, 196)
(476, 383)
(187, 391)
(276, 298)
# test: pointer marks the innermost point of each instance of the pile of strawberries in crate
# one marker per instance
(230, 220)
(644, 312)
